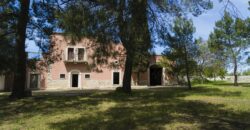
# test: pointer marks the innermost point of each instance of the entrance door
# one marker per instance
(74, 80)
(155, 75)
(34, 79)
(116, 78)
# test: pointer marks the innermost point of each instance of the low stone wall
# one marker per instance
(241, 79)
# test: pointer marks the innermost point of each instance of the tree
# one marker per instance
(22, 21)
(7, 29)
(229, 39)
(21, 57)
(203, 59)
(215, 68)
(246, 72)
(127, 21)
(181, 48)
(208, 64)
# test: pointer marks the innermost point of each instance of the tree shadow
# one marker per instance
(245, 84)
(230, 84)
(158, 116)
(158, 108)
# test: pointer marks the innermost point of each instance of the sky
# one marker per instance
(205, 22)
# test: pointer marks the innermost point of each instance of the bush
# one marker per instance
(198, 80)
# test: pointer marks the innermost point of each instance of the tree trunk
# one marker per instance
(188, 77)
(177, 78)
(18, 90)
(138, 78)
(130, 30)
(126, 84)
(235, 72)
(202, 78)
(187, 69)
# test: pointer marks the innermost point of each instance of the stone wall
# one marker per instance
(241, 79)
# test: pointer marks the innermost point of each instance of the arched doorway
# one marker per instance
(155, 75)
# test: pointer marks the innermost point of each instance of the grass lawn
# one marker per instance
(209, 106)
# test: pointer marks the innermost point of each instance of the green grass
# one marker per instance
(210, 106)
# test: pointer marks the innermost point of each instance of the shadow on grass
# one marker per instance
(206, 115)
(143, 109)
(223, 83)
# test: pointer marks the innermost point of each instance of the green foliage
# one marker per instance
(215, 70)
(142, 60)
(229, 39)
(181, 48)
(8, 21)
(199, 80)
(32, 64)
(39, 28)
(208, 65)
(246, 72)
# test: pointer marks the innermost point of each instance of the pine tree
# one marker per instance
(125, 21)
(181, 48)
(21, 20)
(229, 39)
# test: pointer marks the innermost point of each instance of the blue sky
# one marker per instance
(205, 23)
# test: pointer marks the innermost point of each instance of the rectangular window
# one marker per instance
(70, 53)
(87, 76)
(116, 78)
(80, 54)
(62, 76)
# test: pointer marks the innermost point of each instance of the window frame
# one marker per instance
(61, 77)
(89, 76)
(76, 53)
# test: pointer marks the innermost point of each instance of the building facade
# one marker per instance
(75, 66)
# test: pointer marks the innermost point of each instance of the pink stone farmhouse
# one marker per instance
(74, 67)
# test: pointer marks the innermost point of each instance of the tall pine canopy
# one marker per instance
(130, 22)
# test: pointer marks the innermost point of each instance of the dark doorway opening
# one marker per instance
(155, 75)
(34, 79)
(116, 78)
(74, 80)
